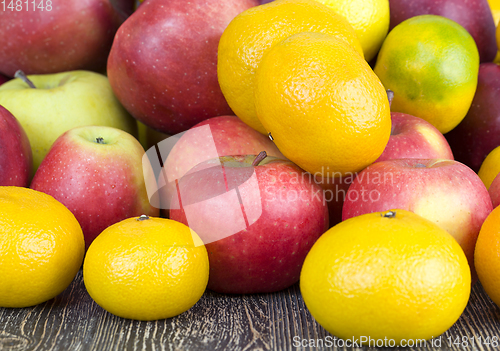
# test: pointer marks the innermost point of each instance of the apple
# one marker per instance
(211, 138)
(479, 132)
(56, 36)
(15, 156)
(474, 15)
(258, 217)
(414, 137)
(447, 192)
(59, 102)
(163, 62)
(494, 191)
(97, 173)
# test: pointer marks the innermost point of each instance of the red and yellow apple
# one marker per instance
(257, 217)
(446, 192)
(97, 173)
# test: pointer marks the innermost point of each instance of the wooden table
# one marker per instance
(279, 321)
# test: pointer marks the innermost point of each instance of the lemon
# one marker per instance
(41, 247)
(386, 275)
(254, 31)
(431, 63)
(322, 104)
(146, 268)
(369, 18)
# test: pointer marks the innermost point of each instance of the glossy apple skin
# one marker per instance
(212, 138)
(101, 184)
(446, 192)
(15, 152)
(163, 62)
(268, 255)
(73, 35)
(494, 191)
(479, 131)
(474, 15)
(414, 137)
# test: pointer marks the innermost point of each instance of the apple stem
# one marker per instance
(142, 217)
(258, 159)
(390, 96)
(20, 74)
(99, 140)
(389, 214)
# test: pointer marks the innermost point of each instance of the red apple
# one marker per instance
(211, 138)
(63, 36)
(15, 152)
(446, 192)
(479, 131)
(163, 62)
(258, 219)
(474, 15)
(414, 137)
(494, 191)
(97, 172)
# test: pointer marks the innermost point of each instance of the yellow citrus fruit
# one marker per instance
(41, 247)
(254, 31)
(369, 18)
(325, 108)
(487, 255)
(431, 63)
(490, 167)
(146, 268)
(393, 275)
(495, 10)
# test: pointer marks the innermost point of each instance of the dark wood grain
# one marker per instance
(72, 321)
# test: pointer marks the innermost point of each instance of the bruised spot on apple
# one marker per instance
(258, 217)
(446, 192)
(97, 173)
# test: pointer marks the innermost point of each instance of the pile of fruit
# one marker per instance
(171, 146)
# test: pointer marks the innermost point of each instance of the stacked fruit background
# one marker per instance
(166, 147)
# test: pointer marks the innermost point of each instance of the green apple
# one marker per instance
(62, 101)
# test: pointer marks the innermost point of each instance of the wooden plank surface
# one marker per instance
(279, 321)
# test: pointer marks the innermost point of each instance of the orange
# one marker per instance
(41, 247)
(369, 18)
(431, 63)
(146, 268)
(487, 255)
(490, 167)
(390, 275)
(254, 31)
(322, 104)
